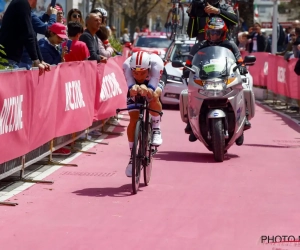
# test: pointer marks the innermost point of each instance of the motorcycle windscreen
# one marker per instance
(214, 62)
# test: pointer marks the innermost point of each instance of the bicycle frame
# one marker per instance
(144, 123)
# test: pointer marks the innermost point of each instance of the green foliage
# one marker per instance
(115, 43)
(2, 60)
(281, 8)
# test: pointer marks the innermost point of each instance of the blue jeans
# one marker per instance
(13, 64)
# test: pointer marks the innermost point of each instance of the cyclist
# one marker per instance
(143, 72)
(215, 35)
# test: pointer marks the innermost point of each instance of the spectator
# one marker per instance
(146, 28)
(113, 32)
(17, 33)
(93, 23)
(280, 38)
(296, 24)
(105, 48)
(125, 37)
(78, 50)
(242, 25)
(258, 42)
(136, 33)
(287, 36)
(296, 43)
(40, 26)
(288, 53)
(243, 40)
(75, 15)
(49, 45)
(60, 14)
(103, 15)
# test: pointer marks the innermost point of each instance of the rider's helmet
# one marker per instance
(140, 64)
(140, 61)
(215, 30)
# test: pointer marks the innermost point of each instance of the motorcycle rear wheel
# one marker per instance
(218, 139)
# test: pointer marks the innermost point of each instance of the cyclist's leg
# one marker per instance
(134, 116)
(155, 104)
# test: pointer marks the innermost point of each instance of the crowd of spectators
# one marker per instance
(254, 40)
(73, 38)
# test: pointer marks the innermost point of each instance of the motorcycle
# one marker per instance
(217, 101)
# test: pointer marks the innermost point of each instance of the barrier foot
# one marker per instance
(111, 133)
(124, 119)
(93, 141)
(6, 203)
(74, 150)
(53, 163)
(116, 125)
(98, 142)
(37, 181)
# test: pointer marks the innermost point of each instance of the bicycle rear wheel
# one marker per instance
(148, 152)
(137, 157)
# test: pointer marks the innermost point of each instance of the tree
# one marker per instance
(294, 5)
(135, 12)
(247, 12)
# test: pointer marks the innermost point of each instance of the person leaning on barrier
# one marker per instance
(17, 32)
(93, 23)
(201, 10)
(40, 25)
(215, 35)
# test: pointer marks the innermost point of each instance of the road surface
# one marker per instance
(191, 203)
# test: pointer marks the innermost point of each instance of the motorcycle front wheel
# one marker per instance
(218, 139)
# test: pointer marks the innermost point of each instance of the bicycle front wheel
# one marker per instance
(148, 150)
(137, 157)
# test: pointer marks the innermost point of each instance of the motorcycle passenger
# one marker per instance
(215, 35)
(143, 73)
(201, 10)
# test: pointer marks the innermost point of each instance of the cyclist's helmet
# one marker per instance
(103, 11)
(215, 30)
(140, 61)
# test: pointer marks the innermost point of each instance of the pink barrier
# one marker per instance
(35, 109)
(276, 74)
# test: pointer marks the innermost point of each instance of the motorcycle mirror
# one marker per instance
(249, 60)
(177, 64)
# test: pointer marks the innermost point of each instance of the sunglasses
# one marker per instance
(292, 34)
(76, 16)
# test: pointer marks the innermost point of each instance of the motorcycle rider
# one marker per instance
(201, 10)
(215, 35)
(145, 75)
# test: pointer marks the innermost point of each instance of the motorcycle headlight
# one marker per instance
(214, 88)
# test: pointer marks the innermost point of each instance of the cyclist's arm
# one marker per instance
(157, 67)
(127, 73)
(227, 13)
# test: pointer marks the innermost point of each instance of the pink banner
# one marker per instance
(258, 70)
(15, 114)
(44, 106)
(293, 80)
(113, 89)
(76, 96)
(35, 109)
